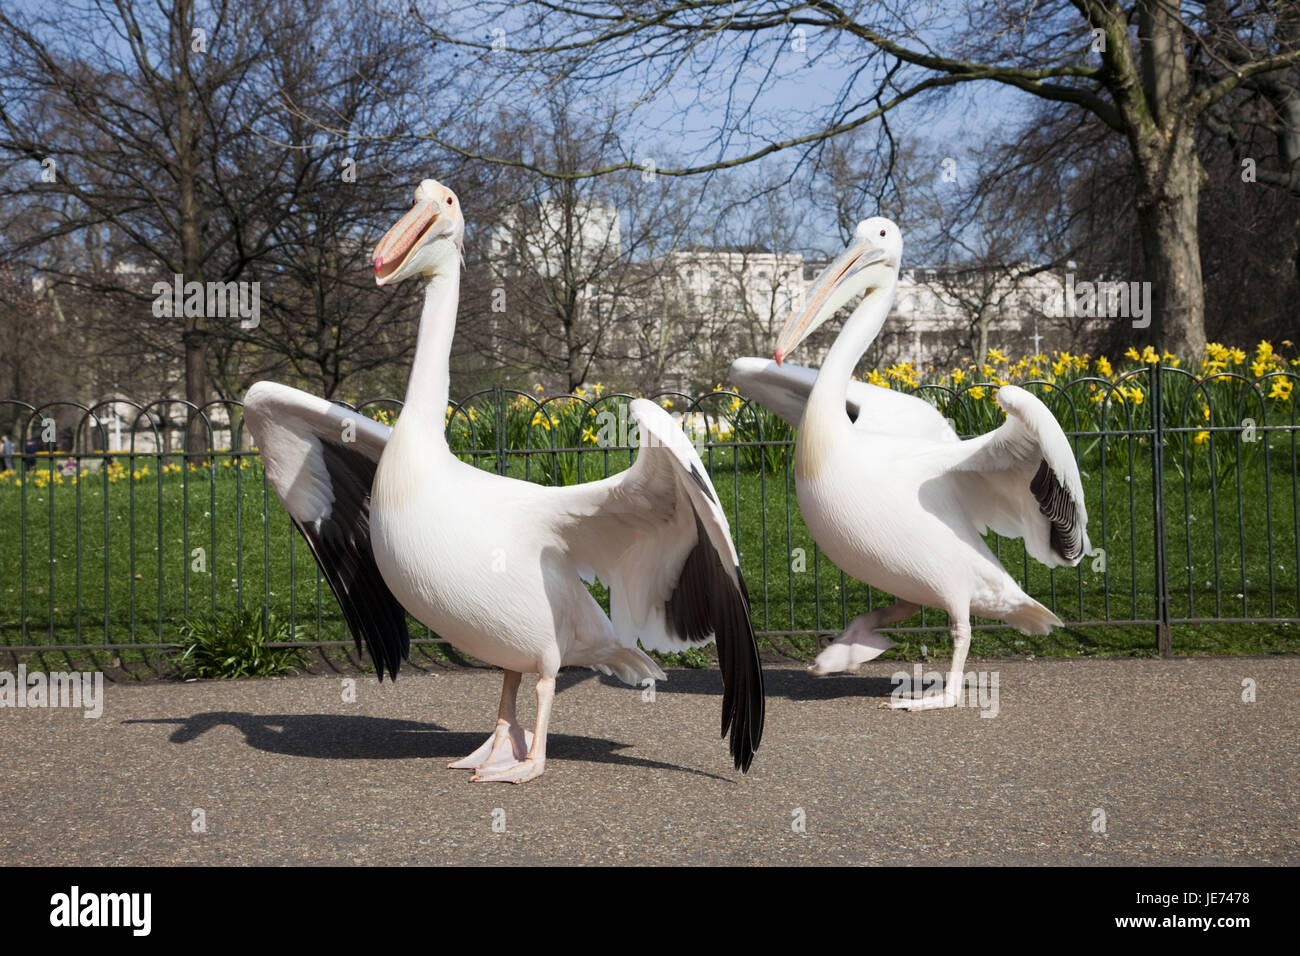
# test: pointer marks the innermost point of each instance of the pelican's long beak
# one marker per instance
(834, 287)
(403, 239)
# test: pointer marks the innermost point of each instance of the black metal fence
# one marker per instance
(114, 529)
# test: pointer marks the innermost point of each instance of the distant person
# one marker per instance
(7, 453)
(30, 448)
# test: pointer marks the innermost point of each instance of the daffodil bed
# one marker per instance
(125, 552)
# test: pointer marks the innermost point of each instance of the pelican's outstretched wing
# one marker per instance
(658, 538)
(320, 458)
(1022, 481)
(784, 389)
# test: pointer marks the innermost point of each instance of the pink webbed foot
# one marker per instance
(526, 769)
(928, 701)
(861, 640)
(857, 645)
(506, 747)
(850, 655)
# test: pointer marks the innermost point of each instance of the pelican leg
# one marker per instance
(509, 742)
(953, 684)
(532, 765)
(860, 643)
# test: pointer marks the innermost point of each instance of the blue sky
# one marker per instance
(679, 125)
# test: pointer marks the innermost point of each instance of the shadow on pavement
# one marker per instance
(777, 682)
(356, 737)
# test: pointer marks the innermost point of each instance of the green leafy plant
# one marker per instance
(696, 657)
(234, 644)
(758, 433)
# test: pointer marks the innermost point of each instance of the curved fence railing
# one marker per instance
(115, 529)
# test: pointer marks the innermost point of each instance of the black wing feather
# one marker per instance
(341, 545)
(1059, 508)
(706, 601)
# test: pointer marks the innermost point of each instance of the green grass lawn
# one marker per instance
(95, 562)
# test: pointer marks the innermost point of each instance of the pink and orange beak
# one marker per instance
(436, 214)
(832, 289)
(400, 241)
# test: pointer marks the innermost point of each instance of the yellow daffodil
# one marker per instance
(903, 372)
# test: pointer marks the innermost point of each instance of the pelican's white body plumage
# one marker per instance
(893, 496)
(474, 555)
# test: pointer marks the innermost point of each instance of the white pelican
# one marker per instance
(496, 565)
(893, 496)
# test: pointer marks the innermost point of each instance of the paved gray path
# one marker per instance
(286, 772)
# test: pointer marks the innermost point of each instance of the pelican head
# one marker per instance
(870, 262)
(424, 241)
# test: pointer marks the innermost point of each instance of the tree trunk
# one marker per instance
(195, 337)
(196, 392)
(1167, 217)
(1162, 135)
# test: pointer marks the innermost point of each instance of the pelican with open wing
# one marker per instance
(890, 492)
(496, 565)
